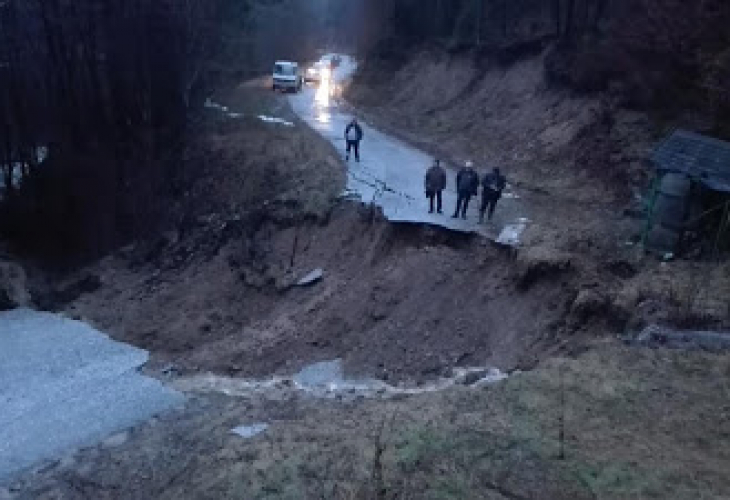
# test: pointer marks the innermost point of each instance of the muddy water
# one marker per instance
(327, 380)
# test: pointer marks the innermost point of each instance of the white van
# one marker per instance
(287, 76)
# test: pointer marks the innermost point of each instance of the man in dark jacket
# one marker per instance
(492, 186)
(467, 185)
(353, 136)
(435, 183)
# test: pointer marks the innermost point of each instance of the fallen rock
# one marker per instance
(589, 302)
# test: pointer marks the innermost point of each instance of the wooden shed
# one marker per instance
(690, 193)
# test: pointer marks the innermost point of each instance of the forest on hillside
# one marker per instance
(103, 93)
(653, 52)
(96, 111)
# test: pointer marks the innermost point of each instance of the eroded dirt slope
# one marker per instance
(578, 162)
(396, 301)
(574, 147)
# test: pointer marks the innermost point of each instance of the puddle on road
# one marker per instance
(324, 118)
(327, 380)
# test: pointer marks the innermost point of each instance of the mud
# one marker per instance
(405, 310)
(396, 302)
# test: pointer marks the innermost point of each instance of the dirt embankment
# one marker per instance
(577, 148)
(576, 161)
(579, 163)
(397, 301)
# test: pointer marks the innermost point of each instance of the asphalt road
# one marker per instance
(391, 172)
(64, 385)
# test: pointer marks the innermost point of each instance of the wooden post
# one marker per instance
(650, 210)
(722, 228)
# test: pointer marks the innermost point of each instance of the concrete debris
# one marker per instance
(249, 431)
(311, 278)
(511, 234)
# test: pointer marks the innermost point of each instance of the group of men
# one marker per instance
(467, 181)
(467, 185)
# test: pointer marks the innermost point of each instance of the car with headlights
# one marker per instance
(315, 73)
(287, 76)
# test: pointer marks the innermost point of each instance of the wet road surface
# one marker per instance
(391, 172)
(64, 385)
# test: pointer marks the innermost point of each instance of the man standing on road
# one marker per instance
(353, 136)
(435, 183)
(492, 186)
(467, 185)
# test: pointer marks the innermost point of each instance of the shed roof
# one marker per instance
(704, 159)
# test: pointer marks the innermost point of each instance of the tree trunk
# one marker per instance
(505, 18)
(600, 10)
(570, 19)
(480, 21)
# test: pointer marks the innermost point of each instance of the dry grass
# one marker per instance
(638, 424)
(692, 294)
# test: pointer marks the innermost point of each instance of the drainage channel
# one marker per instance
(327, 380)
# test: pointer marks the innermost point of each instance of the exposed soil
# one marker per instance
(409, 303)
(577, 162)
(399, 302)
(572, 147)
(396, 301)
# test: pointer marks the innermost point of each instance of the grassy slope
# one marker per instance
(638, 424)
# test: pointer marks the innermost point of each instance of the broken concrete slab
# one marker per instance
(511, 234)
(65, 385)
